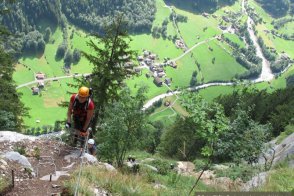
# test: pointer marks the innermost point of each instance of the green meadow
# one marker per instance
(287, 28)
(163, 48)
(44, 109)
(234, 38)
(166, 115)
(141, 80)
(196, 28)
(225, 66)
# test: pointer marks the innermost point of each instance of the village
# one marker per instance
(146, 60)
(156, 69)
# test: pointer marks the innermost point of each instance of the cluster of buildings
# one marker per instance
(206, 15)
(40, 85)
(147, 59)
(180, 44)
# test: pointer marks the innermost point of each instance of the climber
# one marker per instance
(81, 110)
(91, 147)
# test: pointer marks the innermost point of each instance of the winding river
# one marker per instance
(266, 73)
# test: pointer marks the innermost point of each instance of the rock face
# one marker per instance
(15, 156)
(284, 149)
(255, 182)
(47, 155)
(281, 151)
(76, 154)
(185, 167)
(14, 136)
(277, 151)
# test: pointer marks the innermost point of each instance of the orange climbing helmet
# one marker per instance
(84, 92)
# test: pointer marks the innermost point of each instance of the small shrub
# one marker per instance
(37, 152)
(284, 163)
(173, 178)
(162, 166)
(281, 180)
(245, 172)
(3, 184)
(149, 176)
(21, 150)
(200, 164)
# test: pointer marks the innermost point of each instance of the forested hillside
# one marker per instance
(28, 19)
(27, 14)
(278, 8)
(200, 5)
(91, 14)
(12, 110)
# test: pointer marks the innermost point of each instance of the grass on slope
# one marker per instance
(288, 131)
(4, 184)
(195, 27)
(22, 74)
(163, 48)
(280, 180)
(141, 80)
(212, 92)
(118, 183)
(45, 63)
(288, 28)
(44, 107)
(234, 38)
(225, 66)
(181, 76)
(166, 115)
(162, 13)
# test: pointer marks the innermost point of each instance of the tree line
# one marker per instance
(24, 17)
(12, 110)
(246, 56)
(242, 122)
(277, 8)
(91, 15)
(200, 5)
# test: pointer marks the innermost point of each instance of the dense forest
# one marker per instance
(12, 110)
(278, 8)
(26, 20)
(200, 5)
(240, 123)
(92, 14)
(89, 15)
(21, 18)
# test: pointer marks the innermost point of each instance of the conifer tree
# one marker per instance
(111, 53)
(11, 108)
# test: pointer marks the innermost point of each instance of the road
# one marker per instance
(51, 79)
(192, 48)
(157, 98)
